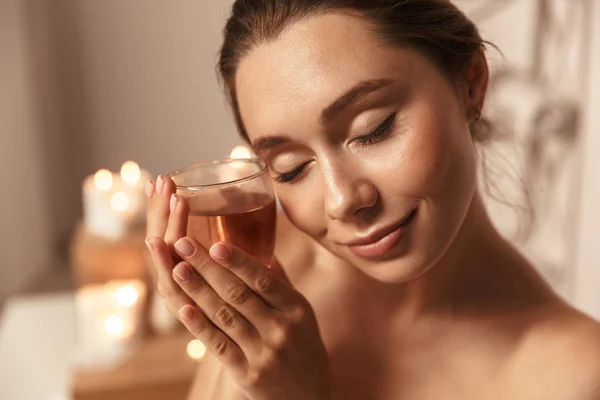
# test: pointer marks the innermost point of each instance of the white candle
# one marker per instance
(132, 184)
(109, 321)
(99, 216)
(114, 204)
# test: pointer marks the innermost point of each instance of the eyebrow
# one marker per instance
(350, 97)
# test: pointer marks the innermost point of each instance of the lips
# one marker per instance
(380, 242)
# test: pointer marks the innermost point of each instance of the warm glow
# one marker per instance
(127, 296)
(240, 152)
(103, 180)
(130, 172)
(114, 326)
(196, 349)
(119, 201)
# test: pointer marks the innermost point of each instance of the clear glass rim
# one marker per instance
(262, 170)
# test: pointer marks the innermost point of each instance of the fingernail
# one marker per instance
(173, 203)
(160, 184)
(149, 245)
(182, 272)
(186, 312)
(184, 247)
(219, 252)
(149, 189)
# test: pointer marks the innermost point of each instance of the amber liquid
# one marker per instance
(252, 230)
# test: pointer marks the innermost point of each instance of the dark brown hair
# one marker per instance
(435, 28)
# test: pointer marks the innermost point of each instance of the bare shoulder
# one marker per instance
(559, 357)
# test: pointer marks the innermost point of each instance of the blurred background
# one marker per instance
(88, 85)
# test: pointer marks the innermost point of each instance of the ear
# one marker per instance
(477, 79)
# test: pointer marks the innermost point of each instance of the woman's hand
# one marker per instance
(165, 225)
(262, 330)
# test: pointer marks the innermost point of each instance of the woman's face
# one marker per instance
(368, 143)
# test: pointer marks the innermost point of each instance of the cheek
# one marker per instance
(425, 163)
(433, 161)
(304, 207)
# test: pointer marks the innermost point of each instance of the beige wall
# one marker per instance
(25, 242)
(587, 283)
(151, 92)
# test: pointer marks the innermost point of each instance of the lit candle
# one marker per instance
(114, 204)
(99, 214)
(109, 320)
(240, 152)
(132, 184)
(236, 171)
(130, 173)
(196, 350)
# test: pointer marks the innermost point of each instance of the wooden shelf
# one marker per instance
(159, 369)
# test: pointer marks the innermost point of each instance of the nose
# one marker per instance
(348, 194)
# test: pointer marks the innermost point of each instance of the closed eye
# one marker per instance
(288, 177)
(381, 131)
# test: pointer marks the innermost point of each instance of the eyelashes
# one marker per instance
(378, 134)
(288, 177)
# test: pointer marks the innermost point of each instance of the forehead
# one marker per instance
(311, 63)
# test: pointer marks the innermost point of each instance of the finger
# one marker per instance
(163, 263)
(158, 213)
(149, 189)
(256, 275)
(178, 218)
(216, 341)
(227, 285)
(221, 314)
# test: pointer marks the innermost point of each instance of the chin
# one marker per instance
(395, 271)
(407, 261)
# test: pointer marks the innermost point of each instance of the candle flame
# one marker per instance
(119, 201)
(130, 172)
(114, 326)
(103, 180)
(196, 349)
(240, 152)
(127, 296)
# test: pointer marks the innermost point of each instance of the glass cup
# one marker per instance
(231, 200)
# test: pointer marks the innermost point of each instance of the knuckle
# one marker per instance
(237, 260)
(225, 316)
(281, 336)
(238, 293)
(199, 326)
(299, 314)
(258, 373)
(220, 346)
(196, 288)
(269, 362)
(164, 291)
(202, 264)
(254, 377)
(265, 282)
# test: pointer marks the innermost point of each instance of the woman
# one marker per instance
(400, 287)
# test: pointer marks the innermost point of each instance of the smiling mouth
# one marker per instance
(381, 242)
